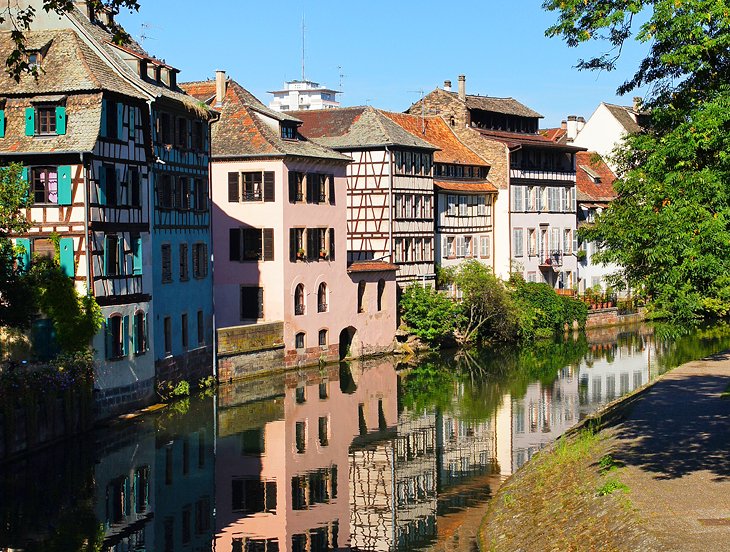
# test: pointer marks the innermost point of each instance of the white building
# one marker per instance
(303, 94)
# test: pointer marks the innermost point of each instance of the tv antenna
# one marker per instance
(342, 76)
(304, 31)
(144, 33)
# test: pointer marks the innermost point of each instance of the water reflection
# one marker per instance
(372, 456)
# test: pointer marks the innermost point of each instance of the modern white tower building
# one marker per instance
(303, 94)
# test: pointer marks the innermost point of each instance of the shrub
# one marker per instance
(428, 313)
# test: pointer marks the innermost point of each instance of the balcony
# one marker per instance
(540, 174)
(248, 195)
(298, 309)
(551, 260)
(322, 307)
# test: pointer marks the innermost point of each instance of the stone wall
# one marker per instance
(610, 317)
(191, 366)
(119, 400)
(245, 351)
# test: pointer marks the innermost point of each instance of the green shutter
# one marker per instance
(64, 185)
(29, 121)
(132, 132)
(135, 330)
(137, 255)
(104, 268)
(108, 344)
(60, 119)
(2, 123)
(144, 346)
(120, 121)
(125, 335)
(104, 107)
(26, 176)
(102, 185)
(24, 257)
(122, 258)
(66, 256)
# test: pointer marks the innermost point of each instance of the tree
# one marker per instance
(428, 313)
(669, 227)
(21, 19)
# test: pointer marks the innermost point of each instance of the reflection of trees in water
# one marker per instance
(675, 345)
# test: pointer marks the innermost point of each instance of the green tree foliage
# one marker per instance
(21, 19)
(669, 225)
(15, 308)
(428, 313)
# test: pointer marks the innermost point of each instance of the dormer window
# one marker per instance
(288, 131)
(34, 59)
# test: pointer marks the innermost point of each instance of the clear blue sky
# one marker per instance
(388, 50)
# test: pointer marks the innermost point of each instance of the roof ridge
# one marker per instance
(82, 57)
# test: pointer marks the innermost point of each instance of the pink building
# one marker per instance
(283, 288)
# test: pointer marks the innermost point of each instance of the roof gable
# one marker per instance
(593, 178)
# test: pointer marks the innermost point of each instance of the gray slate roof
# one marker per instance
(507, 106)
(624, 116)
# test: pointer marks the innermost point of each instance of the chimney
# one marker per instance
(447, 85)
(84, 7)
(220, 87)
(581, 124)
(462, 88)
(572, 127)
(638, 102)
(564, 125)
(109, 16)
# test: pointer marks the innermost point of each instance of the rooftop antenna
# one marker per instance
(423, 109)
(304, 28)
(342, 77)
(145, 27)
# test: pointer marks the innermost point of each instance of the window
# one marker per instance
(251, 186)
(323, 431)
(300, 395)
(200, 260)
(299, 340)
(518, 242)
(361, 296)
(201, 328)
(467, 246)
(251, 496)
(311, 244)
(166, 254)
(164, 128)
(300, 432)
(296, 186)
(116, 336)
(460, 247)
(139, 333)
(184, 334)
(322, 298)
(165, 192)
(322, 343)
(251, 244)
(113, 255)
(463, 206)
(46, 120)
(485, 247)
(517, 198)
(381, 292)
(452, 201)
(288, 131)
(567, 241)
(448, 247)
(198, 135)
(136, 188)
(110, 116)
(183, 193)
(34, 59)
(184, 270)
(44, 181)
(182, 133)
(168, 335)
(200, 195)
(299, 299)
(252, 302)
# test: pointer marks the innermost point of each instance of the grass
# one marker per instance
(726, 394)
(611, 484)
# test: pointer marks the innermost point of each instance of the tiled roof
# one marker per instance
(372, 266)
(435, 131)
(241, 131)
(465, 186)
(625, 116)
(68, 65)
(589, 167)
(507, 106)
(513, 139)
(355, 127)
(559, 135)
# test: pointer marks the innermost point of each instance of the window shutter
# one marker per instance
(24, 257)
(29, 121)
(125, 335)
(310, 188)
(137, 255)
(60, 119)
(135, 331)
(66, 256)
(331, 178)
(312, 244)
(104, 108)
(260, 302)
(233, 191)
(102, 185)
(132, 130)
(143, 345)
(109, 345)
(106, 255)
(2, 123)
(122, 258)
(268, 244)
(234, 243)
(64, 185)
(292, 187)
(332, 244)
(269, 186)
(292, 244)
(120, 121)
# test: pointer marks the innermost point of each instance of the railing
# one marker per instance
(540, 174)
(298, 309)
(322, 307)
(251, 195)
(553, 258)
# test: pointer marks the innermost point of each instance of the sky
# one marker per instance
(383, 53)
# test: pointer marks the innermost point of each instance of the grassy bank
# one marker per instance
(568, 497)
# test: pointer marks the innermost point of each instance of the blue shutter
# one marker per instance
(60, 119)
(24, 257)
(105, 260)
(122, 258)
(64, 185)
(102, 185)
(120, 121)
(2, 123)
(137, 255)
(132, 130)
(125, 335)
(108, 344)
(29, 121)
(135, 330)
(104, 107)
(66, 256)
(145, 337)
(26, 176)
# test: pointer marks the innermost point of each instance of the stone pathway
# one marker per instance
(675, 444)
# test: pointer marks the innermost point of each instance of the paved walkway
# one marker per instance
(675, 443)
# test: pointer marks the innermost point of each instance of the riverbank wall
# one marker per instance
(610, 316)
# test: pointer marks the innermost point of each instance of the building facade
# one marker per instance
(303, 94)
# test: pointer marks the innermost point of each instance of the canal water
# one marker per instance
(372, 456)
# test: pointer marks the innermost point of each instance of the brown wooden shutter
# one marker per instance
(234, 244)
(268, 244)
(233, 188)
(292, 187)
(332, 244)
(331, 179)
(292, 244)
(260, 302)
(311, 190)
(269, 186)
(312, 244)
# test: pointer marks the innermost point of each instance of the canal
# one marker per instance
(371, 456)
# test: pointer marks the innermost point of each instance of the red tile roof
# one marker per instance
(437, 132)
(466, 186)
(514, 139)
(555, 134)
(589, 167)
(371, 266)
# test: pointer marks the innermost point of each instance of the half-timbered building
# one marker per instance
(389, 167)
(536, 174)
(280, 236)
(464, 196)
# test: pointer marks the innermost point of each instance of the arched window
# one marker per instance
(361, 296)
(381, 291)
(299, 299)
(299, 340)
(322, 298)
(322, 340)
(452, 121)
